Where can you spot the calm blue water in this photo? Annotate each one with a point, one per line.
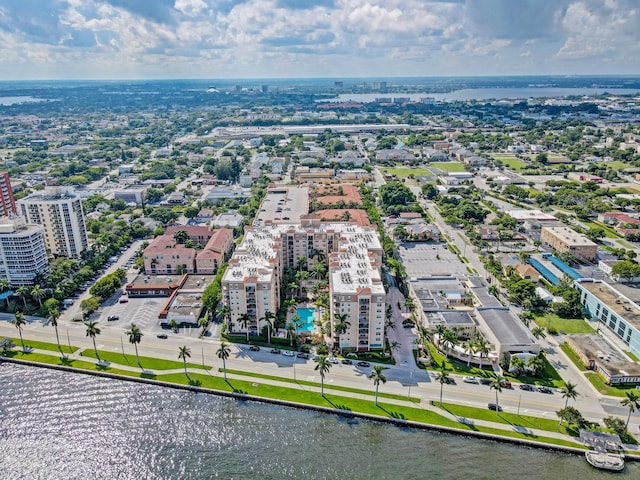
(307, 315)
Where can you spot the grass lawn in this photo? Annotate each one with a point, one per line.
(44, 345)
(448, 166)
(549, 377)
(401, 172)
(569, 325)
(510, 161)
(573, 357)
(145, 362)
(526, 421)
(608, 231)
(458, 367)
(332, 387)
(605, 389)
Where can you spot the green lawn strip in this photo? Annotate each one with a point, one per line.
(573, 357)
(281, 343)
(549, 377)
(605, 389)
(568, 325)
(448, 166)
(51, 360)
(609, 232)
(327, 386)
(44, 345)
(146, 362)
(525, 421)
(458, 367)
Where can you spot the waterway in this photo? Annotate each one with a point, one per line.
(6, 101)
(485, 94)
(60, 425)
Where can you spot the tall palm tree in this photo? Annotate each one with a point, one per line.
(135, 336)
(244, 320)
(450, 340)
(302, 261)
(633, 402)
(340, 327)
(377, 376)
(4, 285)
(23, 292)
(223, 353)
(538, 332)
(394, 346)
(38, 293)
(569, 392)
(323, 366)
(443, 377)
(318, 269)
(19, 321)
(469, 347)
(291, 329)
(440, 329)
(184, 353)
(482, 347)
(496, 384)
(93, 331)
(268, 319)
(302, 276)
(52, 320)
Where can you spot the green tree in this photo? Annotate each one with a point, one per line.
(340, 327)
(496, 384)
(571, 415)
(632, 402)
(6, 345)
(482, 347)
(538, 332)
(322, 366)
(223, 353)
(181, 236)
(38, 294)
(4, 286)
(135, 336)
(377, 376)
(469, 347)
(449, 340)
(52, 320)
(184, 352)
(93, 331)
(245, 320)
(516, 366)
(19, 321)
(569, 392)
(268, 320)
(23, 292)
(443, 377)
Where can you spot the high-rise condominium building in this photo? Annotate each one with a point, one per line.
(7, 202)
(62, 218)
(22, 252)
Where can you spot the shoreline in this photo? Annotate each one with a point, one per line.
(302, 406)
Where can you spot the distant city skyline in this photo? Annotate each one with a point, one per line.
(155, 39)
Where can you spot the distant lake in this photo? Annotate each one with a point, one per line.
(6, 101)
(485, 94)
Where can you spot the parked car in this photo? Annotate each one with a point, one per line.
(123, 299)
(346, 361)
(304, 355)
(162, 335)
(545, 390)
(288, 353)
(527, 387)
(112, 318)
(494, 407)
(277, 351)
(469, 379)
(363, 364)
(254, 348)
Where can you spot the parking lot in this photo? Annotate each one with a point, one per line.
(430, 260)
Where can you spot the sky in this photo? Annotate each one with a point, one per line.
(146, 39)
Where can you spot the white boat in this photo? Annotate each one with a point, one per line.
(605, 460)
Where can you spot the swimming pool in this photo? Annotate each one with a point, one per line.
(307, 316)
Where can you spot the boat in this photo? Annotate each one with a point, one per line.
(605, 460)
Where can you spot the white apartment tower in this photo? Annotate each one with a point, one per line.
(22, 252)
(62, 218)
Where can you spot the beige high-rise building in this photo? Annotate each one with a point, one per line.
(60, 214)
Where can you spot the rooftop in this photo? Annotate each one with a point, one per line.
(618, 303)
(505, 327)
(284, 204)
(570, 236)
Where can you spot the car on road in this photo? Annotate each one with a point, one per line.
(363, 364)
(449, 381)
(506, 384)
(332, 360)
(494, 407)
(113, 318)
(304, 355)
(277, 351)
(470, 380)
(254, 348)
(527, 387)
(288, 353)
(485, 380)
(162, 335)
(346, 361)
(545, 390)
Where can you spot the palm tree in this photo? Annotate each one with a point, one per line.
(135, 336)
(482, 347)
(443, 377)
(292, 286)
(302, 261)
(377, 376)
(52, 320)
(538, 332)
(173, 325)
(440, 329)
(496, 384)
(93, 331)
(291, 329)
(184, 353)
(318, 269)
(268, 319)
(19, 321)
(4, 285)
(323, 366)
(450, 340)
(536, 364)
(394, 346)
(223, 353)
(469, 347)
(568, 392)
(302, 277)
(633, 402)
(516, 365)
(23, 292)
(38, 293)
(340, 327)
(244, 320)
(181, 236)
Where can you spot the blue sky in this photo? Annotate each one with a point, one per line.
(137, 39)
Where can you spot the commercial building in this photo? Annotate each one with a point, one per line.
(7, 202)
(563, 239)
(60, 214)
(616, 312)
(22, 252)
(599, 356)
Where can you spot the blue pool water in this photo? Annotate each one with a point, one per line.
(307, 315)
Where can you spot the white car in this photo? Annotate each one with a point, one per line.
(333, 360)
(288, 353)
(469, 379)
